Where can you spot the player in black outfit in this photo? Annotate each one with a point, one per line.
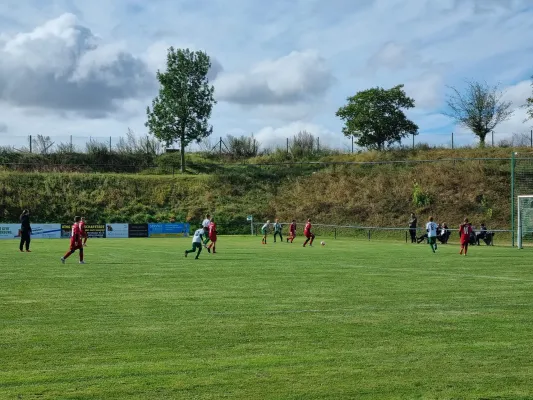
(25, 231)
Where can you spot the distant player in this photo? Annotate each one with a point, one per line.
(431, 229)
(465, 230)
(75, 242)
(277, 230)
(264, 231)
(310, 236)
(83, 232)
(205, 225)
(212, 237)
(197, 241)
(292, 231)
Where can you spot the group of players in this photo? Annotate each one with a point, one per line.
(207, 233)
(267, 227)
(465, 230)
(78, 239)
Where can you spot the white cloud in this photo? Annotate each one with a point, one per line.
(62, 66)
(297, 77)
(277, 137)
(427, 90)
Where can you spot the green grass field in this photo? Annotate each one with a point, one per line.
(351, 320)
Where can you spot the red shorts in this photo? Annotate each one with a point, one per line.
(75, 246)
(213, 238)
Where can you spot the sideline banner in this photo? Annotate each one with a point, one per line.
(95, 231)
(46, 231)
(115, 231)
(138, 230)
(66, 230)
(169, 230)
(9, 231)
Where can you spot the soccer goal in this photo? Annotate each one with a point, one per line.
(525, 221)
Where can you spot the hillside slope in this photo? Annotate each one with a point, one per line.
(371, 195)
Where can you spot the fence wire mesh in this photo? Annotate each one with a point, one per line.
(499, 237)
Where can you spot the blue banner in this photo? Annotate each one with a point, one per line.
(169, 230)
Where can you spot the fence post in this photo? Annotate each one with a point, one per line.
(369, 234)
(220, 146)
(335, 230)
(352, 143)
(287, 145)
(30, 144)
(405, 236)
(452, 140)
(413, 141)
(531, 137)
(512, 197)
(110, 146)
(317, 144)
(71, 147)
(492, 138)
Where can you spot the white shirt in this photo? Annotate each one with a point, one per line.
(206, 223)
(196, 238)
(431, 229)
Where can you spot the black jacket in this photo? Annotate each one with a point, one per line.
(25, 223)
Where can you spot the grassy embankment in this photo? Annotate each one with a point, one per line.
(366, 194)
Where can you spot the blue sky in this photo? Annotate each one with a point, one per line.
(71, 67)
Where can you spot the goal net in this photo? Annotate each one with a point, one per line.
(525, 221)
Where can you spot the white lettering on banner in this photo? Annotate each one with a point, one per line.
(9, 231)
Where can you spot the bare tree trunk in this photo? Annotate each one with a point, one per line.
(182, 145)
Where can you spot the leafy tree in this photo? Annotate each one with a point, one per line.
(480, 108)
(183, 107)
(375, 117)
(529, 105)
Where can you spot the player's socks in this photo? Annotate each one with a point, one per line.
(63, 260)
(82, 262)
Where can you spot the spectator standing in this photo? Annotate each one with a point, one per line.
(412, 227)
(25, 231)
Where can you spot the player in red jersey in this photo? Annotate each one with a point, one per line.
(212, 232)
(465, 230)
(75, 242)
(292, 231)
(308, 234)
(83, 232)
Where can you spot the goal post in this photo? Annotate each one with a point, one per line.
(524, 220)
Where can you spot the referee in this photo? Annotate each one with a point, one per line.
(25, 231)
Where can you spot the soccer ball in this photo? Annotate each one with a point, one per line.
(323, 243)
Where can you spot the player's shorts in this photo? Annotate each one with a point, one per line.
(213, 238)
(263, 231)
(432, 240)
(465, 242)
(75, 246)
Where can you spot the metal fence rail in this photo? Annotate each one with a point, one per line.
(500, 237)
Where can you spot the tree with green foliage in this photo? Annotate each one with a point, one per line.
(183, 107)
(375, 117)
(479, 108)
(529, 104)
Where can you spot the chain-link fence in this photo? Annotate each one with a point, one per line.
(498, 237)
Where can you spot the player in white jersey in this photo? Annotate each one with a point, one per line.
(264, 231)
(205, 225)
(431, 229)
(197, 240)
